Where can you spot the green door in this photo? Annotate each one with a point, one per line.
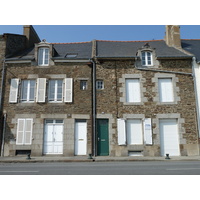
(102, 137)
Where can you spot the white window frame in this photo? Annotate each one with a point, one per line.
(99, 84)
(135, 95)
(21, 137)
(55, 99)
(43, 56)
(28, 90)
(145, 58)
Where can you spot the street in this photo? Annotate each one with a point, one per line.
(103, 168)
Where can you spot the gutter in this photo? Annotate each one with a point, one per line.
(2, 83)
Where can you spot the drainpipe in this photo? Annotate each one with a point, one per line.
(94, 106)
(1, 105)
(3, 136)
(2, 83)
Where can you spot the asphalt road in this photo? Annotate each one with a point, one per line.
(103, 168)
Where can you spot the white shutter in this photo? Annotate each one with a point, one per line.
(41, 90)
(20, 131)
(148, 131)
(28, 131)
(121, 131)
(133, 90)
(166, 90)
(68, 92)
(14, 90)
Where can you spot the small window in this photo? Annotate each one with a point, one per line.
(28, 91)
(147, 58)
(99, 85)
(83, 85)
(71, 55)
(55, 90)
(43, 56)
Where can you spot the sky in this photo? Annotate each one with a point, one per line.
(84, 33)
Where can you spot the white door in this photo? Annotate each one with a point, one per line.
(169, 137)
(134, 131)
(53, 137)
(80, 137)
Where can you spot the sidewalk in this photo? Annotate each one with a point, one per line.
(23, 159)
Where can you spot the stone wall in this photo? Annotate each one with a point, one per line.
(80, 108)
(110, 101)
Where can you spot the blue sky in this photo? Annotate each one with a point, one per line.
(82, 33)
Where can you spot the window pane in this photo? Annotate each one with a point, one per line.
(59, 90)
(51, 90)
(40, 57)
(24, 90)
(99, 85)
(46, 59)
(32, 90)
(83, 85)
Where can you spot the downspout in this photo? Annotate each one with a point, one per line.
(1, 105)
(93, 107)
(3, 136)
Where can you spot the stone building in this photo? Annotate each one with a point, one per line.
(105, 98)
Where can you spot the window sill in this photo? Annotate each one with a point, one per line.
(134, 104)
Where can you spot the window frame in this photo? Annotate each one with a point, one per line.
(101, 84)
(28, 91)
(43, 56)
(145, 58)
(83, 85)
(55, 92)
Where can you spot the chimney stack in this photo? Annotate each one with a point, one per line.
(172, 36)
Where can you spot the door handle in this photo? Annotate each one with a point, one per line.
(98, 139)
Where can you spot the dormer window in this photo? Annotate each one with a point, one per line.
(43, 56)
(147, 58)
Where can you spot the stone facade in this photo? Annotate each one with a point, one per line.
(111, 101)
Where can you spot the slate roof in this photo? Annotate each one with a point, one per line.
(110, 49)
(192, 46)
(130, 48)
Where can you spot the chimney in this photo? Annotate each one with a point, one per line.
(172, 36)
(31, 36)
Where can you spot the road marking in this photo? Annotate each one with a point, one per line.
(184, 169)
(20, 171)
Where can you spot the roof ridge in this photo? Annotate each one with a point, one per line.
(69, 42)
(190, 39)
(129, 41)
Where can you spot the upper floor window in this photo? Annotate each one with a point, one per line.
(166, 92)
(133, 94)
(43, 56)
(147, 58)
(83, 85)
(28, 91)
(55, 90)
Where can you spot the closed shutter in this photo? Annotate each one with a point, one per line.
(166, 90)
(28, 131)
(121, 131)
(68, 92)
(14, 90)
(41, 90)
(133, 90)
(20, 131)
(148, 131)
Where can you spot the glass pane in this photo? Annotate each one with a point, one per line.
(51, 90)
(32, 90)
(46, 59)
(40, 57)
(59, 90)
(24, 90)
(83, 85)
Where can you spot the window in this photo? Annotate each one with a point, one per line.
(24, 132)
(43, 56)
(133, 94)
(166, 93)
(83, 85)
(28, 91)
(147, 58)
(55, 90)
(99, 85)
